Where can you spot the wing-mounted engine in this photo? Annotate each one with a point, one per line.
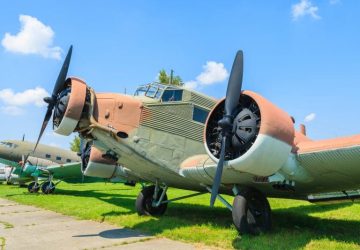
(95, 164)
(261, 139)
(69, 106)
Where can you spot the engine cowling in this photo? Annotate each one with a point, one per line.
(94, 164)
(69, 106)
(262, 136)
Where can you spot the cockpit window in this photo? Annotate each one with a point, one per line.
(172, 95)
(141, 91)
(153, 90)
(8, 144)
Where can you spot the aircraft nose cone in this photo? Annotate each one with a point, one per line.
(8, 154)
(3, 152)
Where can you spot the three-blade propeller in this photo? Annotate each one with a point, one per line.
(59, 86)
(226, 123)
(24, 160)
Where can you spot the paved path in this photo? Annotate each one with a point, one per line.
(27, 227)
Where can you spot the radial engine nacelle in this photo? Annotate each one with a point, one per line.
(95, 164)
(262, 136)
(69, 106)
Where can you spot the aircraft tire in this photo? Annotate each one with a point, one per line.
(33, 187)
(144, 201)
(47, 187)
(251, 212)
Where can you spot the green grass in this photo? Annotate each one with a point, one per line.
(2, 243)
(7, 225)
(297, 224)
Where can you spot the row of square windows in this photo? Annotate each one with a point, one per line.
(58, 158)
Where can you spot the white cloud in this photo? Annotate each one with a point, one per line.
(11, 110)
(310, 117)
(30, 96)
(14, 101)
(191, 84)
(332, 2)
(213, 72)
(34, 37)
(303, 8)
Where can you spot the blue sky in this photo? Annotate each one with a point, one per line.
(302, 55)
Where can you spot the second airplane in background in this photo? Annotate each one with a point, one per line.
(44, 165)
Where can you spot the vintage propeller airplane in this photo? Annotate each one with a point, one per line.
(242, 145)
(40, 168)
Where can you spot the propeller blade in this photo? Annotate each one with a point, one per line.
(219, 169)
(235, 83)
(233, 93)
(8, 178)
(44, 124)
(59, 85)
(24, 160)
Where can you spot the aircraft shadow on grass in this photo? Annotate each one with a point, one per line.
(295, 224)
(295, 221)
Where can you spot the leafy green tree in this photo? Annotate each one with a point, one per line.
(75, 144)
(164, 78)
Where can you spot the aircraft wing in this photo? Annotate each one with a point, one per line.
(330, 166)
(334, 162)
(9, 163)
(62, 171)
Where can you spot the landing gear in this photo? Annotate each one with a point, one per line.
(251, 212)
(33, 187)
(48, 187)
(149, 201)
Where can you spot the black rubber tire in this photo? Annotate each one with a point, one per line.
(46, 189)
(144, 201)
(251, 212)
(33, 187)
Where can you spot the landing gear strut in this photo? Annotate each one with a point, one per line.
(251, 212)
(149, 201)
(33, 187)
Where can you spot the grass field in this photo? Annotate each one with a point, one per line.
(296, 224)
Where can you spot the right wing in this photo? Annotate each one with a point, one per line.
(334, 164)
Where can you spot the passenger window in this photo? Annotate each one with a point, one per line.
(200, 114)
(48, 156)
(58, 158)
(172, 95)
(68, 160)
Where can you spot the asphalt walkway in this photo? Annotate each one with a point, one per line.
(28, 227)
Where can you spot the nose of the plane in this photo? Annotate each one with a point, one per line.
(3, 152)
(8, 154)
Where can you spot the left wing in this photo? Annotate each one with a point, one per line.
(9, 163)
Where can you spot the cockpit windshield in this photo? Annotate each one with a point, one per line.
(7, 144)
(141, 91)
(153, 90)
